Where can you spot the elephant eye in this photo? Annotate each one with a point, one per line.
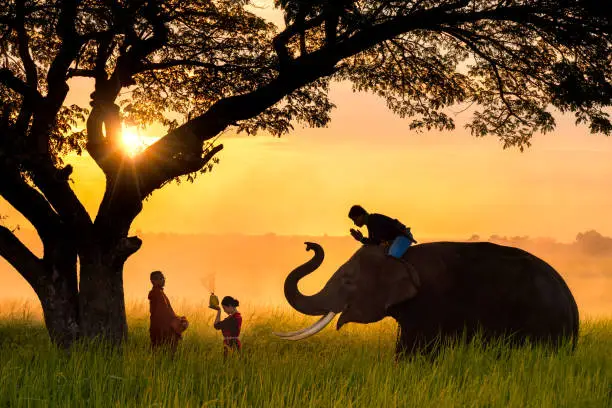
(349, 284)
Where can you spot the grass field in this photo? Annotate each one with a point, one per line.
(350, 368)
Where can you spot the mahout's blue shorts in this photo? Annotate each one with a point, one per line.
(399, 246)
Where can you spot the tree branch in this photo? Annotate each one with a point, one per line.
(88, 73)
(126, 247)
(179, 167)
(156, 159)
(130, 63)
(24, 47)
(281, 40)
(428, 19)
(303, 70)
(122, 199)
(157, 162)
(20, 257)
(71, 43)
(104, 149)
(44, 173)
(61, 196)
(463, 37)
(191, 63)
(29, 202)
(56, 80)
(8, 79)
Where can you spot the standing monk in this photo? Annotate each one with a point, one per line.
(166, 327)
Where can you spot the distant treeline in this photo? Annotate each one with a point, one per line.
(590, 242)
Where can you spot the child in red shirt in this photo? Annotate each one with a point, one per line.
(230, 326)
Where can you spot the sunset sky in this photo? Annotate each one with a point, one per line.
(443, 185)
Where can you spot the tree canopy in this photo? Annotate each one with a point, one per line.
(219, 66)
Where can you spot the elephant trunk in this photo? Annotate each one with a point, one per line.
(314, 305)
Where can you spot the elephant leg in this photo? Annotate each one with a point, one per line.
(410, 343)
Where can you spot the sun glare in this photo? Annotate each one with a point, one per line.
(132, 142)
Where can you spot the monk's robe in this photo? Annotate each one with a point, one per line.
(162, 315)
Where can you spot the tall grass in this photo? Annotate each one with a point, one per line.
(350, 368)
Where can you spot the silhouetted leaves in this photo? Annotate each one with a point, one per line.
(509, 60)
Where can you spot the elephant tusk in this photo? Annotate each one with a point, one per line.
(295, 333)
(309, 331)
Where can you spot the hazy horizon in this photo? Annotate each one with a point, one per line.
(252, 268)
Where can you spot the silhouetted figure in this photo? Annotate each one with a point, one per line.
(381, 230)
(230, 326)
(166, 327)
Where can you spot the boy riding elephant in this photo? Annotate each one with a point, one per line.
(382, 230)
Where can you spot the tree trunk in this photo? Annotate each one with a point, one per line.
(53, 278)
(61, 312)
(101, 301)
(58, 289)
(95, 308)
(101, 296)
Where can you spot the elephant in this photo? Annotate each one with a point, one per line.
(440, 292)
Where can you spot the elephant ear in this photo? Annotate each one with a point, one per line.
(378, 283)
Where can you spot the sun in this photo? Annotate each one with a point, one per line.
(132, 142)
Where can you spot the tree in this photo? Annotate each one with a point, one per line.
(593, 243)
(219, 66)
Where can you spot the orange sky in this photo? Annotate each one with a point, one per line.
(446, 185)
